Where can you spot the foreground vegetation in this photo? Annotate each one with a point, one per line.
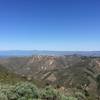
(28, 91)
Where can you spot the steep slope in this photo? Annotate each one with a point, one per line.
(9, 77)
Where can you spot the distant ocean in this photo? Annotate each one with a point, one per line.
(49, 53)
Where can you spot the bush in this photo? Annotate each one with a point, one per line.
(80, 96)
(3, 96)
(26, 90)
(63, 97)
(49, 93)
(21, 91)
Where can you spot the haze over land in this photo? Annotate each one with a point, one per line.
(48, 53)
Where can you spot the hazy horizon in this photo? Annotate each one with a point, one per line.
(51, 50)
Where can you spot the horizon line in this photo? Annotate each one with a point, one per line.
(54, 50)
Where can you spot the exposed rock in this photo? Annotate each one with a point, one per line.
(29, 78)
(51, 78)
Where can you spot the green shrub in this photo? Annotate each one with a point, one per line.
(49, 92)
(26, 90)
(63, 97)
(3, 96)
(80, 96)
(12, 95)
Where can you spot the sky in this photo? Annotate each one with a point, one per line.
(59, 25)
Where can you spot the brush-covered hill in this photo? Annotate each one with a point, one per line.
(73, 73)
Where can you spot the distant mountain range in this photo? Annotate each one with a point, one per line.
(43, 52)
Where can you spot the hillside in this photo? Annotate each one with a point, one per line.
(73, 73)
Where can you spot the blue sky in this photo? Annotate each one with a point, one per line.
(67, 25)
